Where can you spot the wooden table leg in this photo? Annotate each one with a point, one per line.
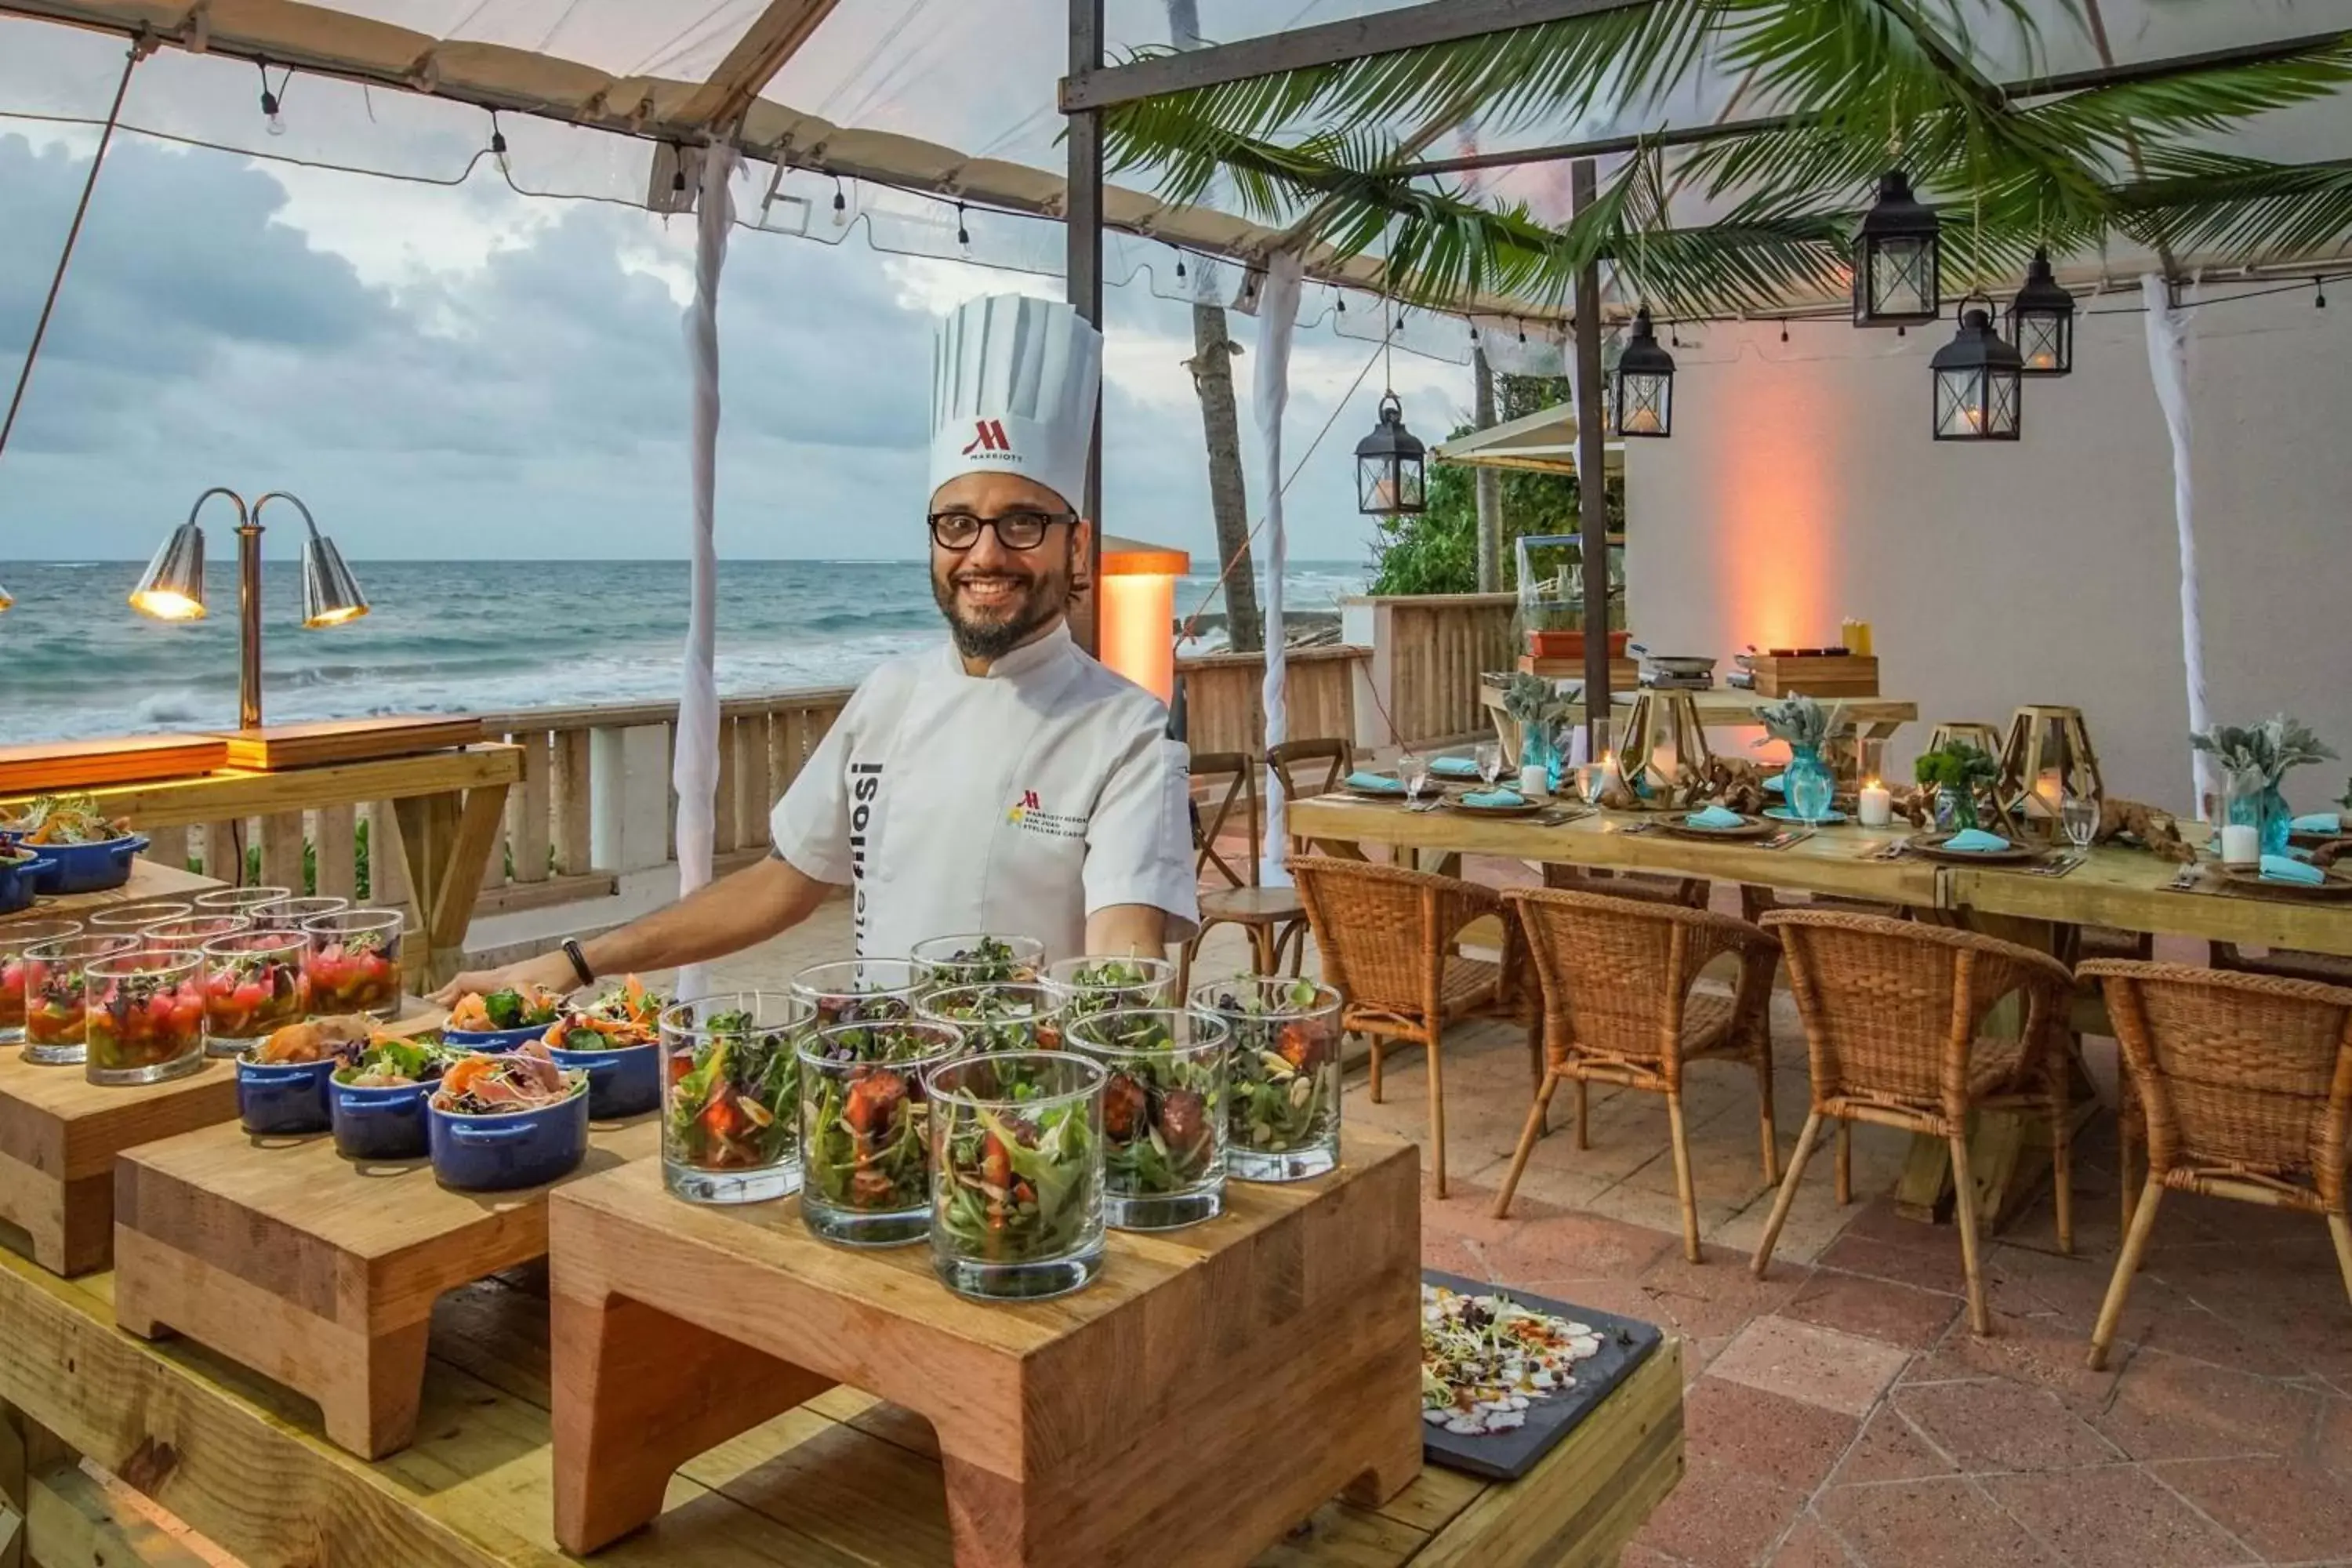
(446, 840)
(637, 1393)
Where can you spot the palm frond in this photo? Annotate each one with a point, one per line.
(2201, 203)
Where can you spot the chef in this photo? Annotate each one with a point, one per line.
(1007, 783)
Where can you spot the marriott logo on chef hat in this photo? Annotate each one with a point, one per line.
(991, 441)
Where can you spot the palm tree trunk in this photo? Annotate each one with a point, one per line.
(1213, 377)
(1490, 483)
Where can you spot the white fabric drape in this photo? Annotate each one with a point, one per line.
(2168, 364)
(1277, 313)
(695, 773)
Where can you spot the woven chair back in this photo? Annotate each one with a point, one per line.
(1617, 971)
(2249, 1070)
(1382, 929)
(1892, 1008)
(1232, 778)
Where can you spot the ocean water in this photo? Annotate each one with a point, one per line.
(469, 636)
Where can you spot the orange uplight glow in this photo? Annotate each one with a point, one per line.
(1772, 550)
(1136, 612)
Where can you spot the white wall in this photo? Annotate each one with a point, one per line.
(1801, 486)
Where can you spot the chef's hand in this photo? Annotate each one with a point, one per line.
(551, 970)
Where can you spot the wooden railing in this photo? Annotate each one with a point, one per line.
(1429, 651)
(1224, 697)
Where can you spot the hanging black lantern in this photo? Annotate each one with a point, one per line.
(1387, 466)
(1896, 281)
(1979, 384)
(2042, 321)
(1645, 383)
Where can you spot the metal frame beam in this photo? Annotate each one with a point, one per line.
(1328, 43)
(1082, 227)
(775, 38)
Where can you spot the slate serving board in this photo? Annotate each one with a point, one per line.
(1625, 1344)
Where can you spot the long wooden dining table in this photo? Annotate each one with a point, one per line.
(2113, 886)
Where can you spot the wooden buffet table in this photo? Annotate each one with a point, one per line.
(1722, 707)
(450, 805)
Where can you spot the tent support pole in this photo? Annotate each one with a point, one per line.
(1083, 224)
(1591, 480)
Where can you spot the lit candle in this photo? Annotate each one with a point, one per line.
(2048, 791)
(2242, 843)
(1535, 781)
(1877, 804)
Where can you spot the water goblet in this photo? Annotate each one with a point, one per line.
(1413, 769)
(2079, 815)
(1490, 762)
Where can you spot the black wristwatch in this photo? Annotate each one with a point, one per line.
(579, 962)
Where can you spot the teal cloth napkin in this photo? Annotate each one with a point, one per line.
(1455, 767)
(1380, 784)
(2319, 822)
(1494, 797)
(1974, 841)
(2282, 869)
(1778, 783)
(1715, 817)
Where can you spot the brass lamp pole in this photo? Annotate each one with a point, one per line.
(173, 587)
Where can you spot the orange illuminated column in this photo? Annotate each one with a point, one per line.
(1137, 617)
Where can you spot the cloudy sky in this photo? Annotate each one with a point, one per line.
(469, 373)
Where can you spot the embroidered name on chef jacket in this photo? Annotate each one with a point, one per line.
(1017, 802)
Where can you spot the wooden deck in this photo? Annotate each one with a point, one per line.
(842, 1481)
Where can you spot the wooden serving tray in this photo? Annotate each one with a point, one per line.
(274, 747)
(1814, 675)
(47, 767)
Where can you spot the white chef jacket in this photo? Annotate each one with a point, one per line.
(1017, 802)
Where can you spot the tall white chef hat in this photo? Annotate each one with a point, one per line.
(1013, 383)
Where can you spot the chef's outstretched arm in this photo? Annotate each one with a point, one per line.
(739, 911)
(1128, 929)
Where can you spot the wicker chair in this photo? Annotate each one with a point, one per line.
(1685, 893)
(2244, 1083)
(1274, 918)
(2282, 963)
(1618, 1007)
(1387, 938)
(1894, 1011)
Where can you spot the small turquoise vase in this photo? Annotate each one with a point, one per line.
(1808, 784)
(2267, 810)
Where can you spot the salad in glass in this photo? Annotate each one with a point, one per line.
(353, 964)
(16, 941)
(1163, 1113)
(144, 1020)
(864, 1128)
(1018, 1017)
(1282, 1075)
(253, 984)
(729, 1129)
(1099, 984)
(977, 959)
(54, 983)
(1016, 1174)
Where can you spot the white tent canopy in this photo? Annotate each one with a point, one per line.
(1543, 442)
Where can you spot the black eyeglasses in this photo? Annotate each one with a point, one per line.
(960, 531)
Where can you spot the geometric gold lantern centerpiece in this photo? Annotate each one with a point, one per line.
(1663, 737)
(2047, 759)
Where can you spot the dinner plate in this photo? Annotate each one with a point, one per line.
(1524, 809)
(1431, 791)
(1783, 814)
(1748, 827)
(2316, 840)
(1931, 845)
(2250, 879)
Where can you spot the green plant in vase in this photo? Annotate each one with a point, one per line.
(1955, 771)
(2255, 759)
(1536, 706)
(1804, 726)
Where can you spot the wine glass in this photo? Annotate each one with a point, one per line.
(1490, 762)
(2079, 815)
(1414, 770)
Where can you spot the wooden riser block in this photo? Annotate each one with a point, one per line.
(58, 1136)
(315, 1270)
(1816, 675)
(66, 766)
(1211, 1388)
(276, 746)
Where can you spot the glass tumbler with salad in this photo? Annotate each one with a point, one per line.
(353, 964)
(253, 986)
(1099, 983)
(976, 959)
(145, 1016)
(1017, 1016)
(864, 1128)
(1282, 1075)
(54, 981)
(730, 1131)
(1163, 1113)
(1016, 1174)
(16, 941)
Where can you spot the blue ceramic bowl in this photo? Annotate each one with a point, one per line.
(18, 879)
(89, 868)
(514, 1148)
(285, 1097)
(625, 1083)
(490, 1040)
(380, 1121)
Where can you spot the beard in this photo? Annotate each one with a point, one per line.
(993, 630)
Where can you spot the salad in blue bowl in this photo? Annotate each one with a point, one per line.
(614, 1037)
(509, 1120)
(87, 851)
(20, 871)
(503, 1019)
(376, 1097)
(282, 1082)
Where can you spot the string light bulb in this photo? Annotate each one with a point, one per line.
(963, 235)
(2319, 293)
(1180, 267)
(272, 122)
(498, 148)
(840, 204)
